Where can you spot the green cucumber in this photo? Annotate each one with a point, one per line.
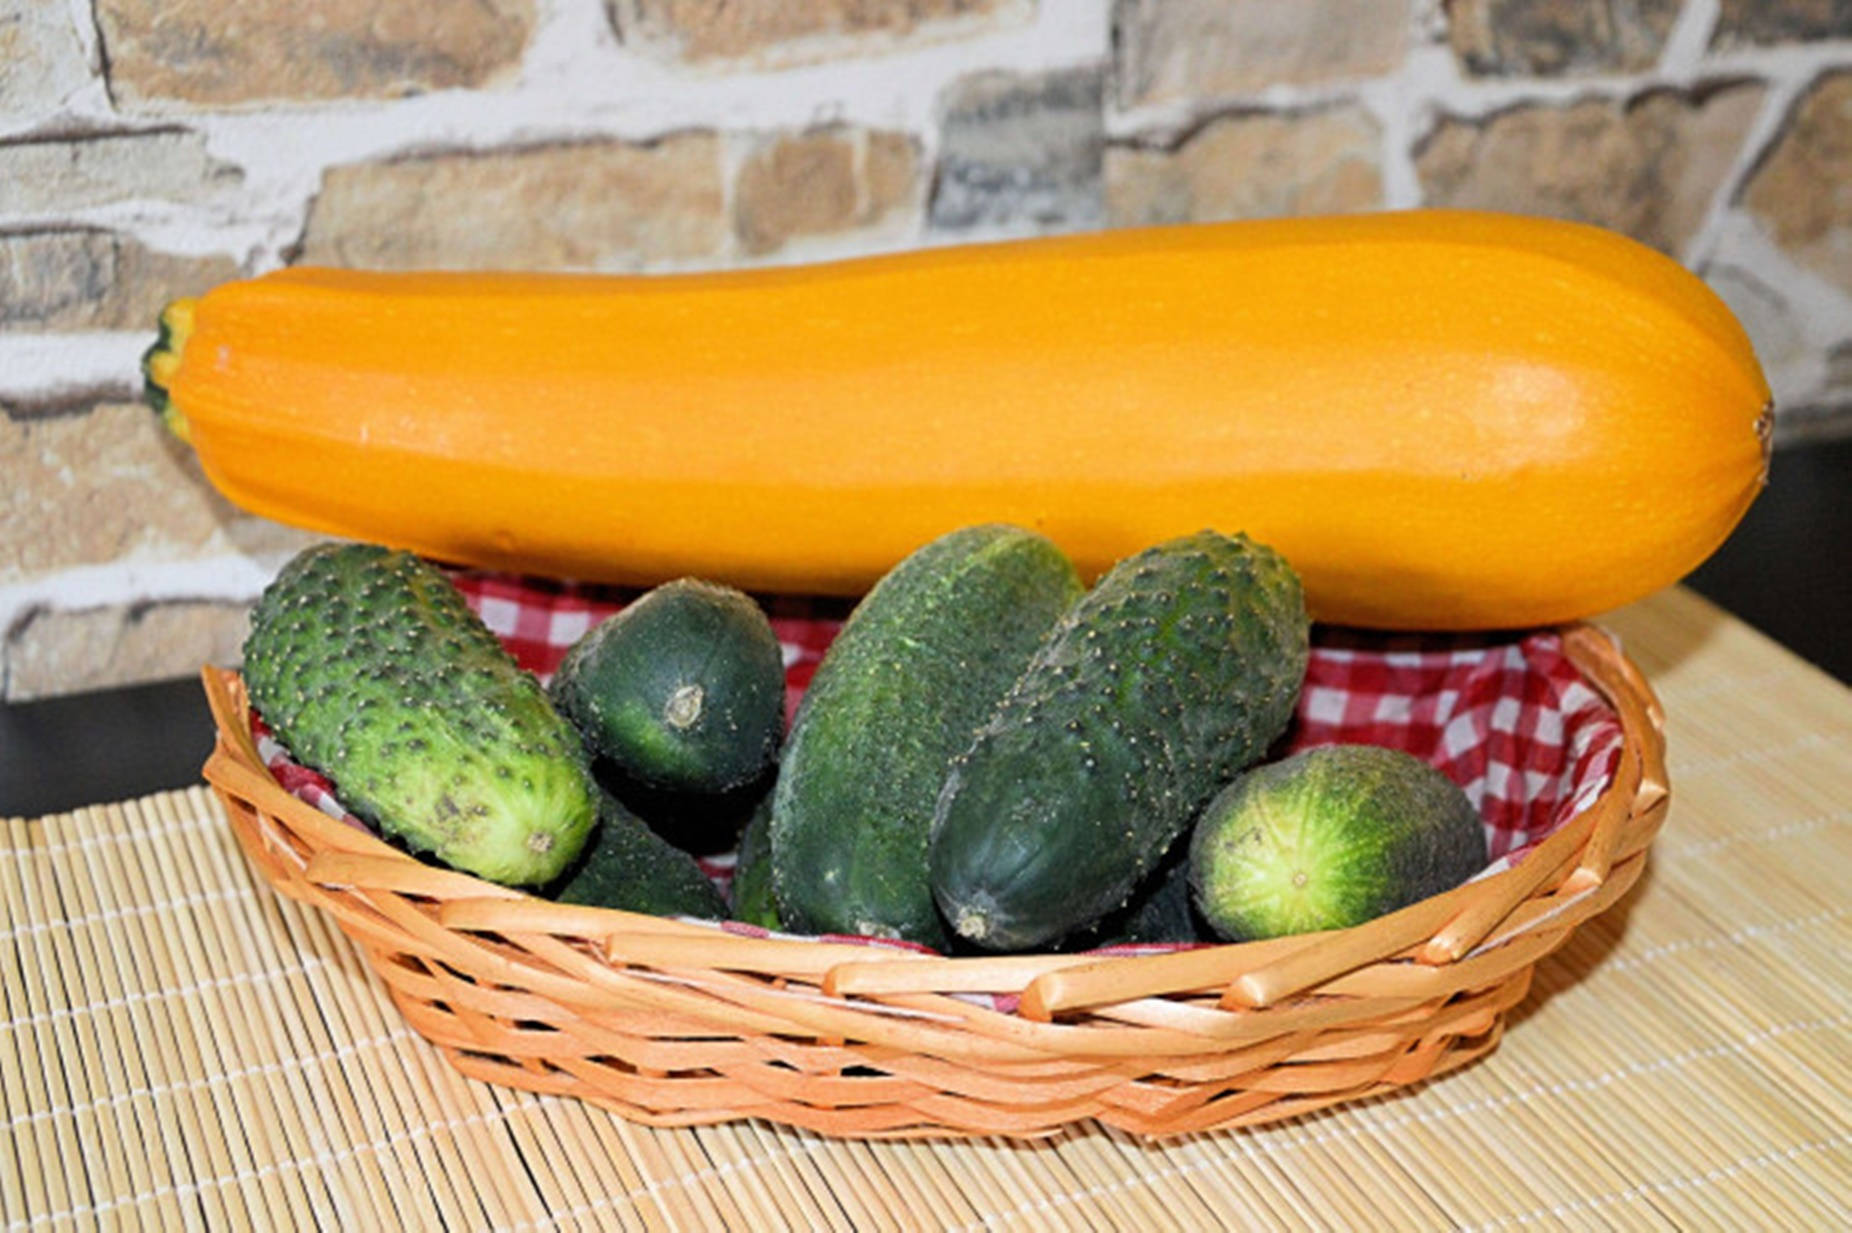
(752, 875)
(370, 668)
(1175, 672)
(915, 670)
(1159, 910)
(628, 866)
(1329, 838)
(683, 689)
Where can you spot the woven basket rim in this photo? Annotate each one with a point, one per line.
(1449, 950)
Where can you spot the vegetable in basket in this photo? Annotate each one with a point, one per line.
(628, 866)
(1175, 672)
(370, 667)
(683, 689)
(916, 668)
(1329, 838)
(752, 875)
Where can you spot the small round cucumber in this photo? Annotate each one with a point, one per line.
(684, 689)
(1330, 838)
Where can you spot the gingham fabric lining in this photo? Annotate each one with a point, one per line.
(1507, 718)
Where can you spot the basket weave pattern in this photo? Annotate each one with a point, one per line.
(671, 1023)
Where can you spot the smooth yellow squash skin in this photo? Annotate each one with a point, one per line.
(1443, 420)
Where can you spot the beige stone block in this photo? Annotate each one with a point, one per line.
(84, 279)
(54, 176)
(1648, 167)
(603, 205)
(1760, 22)
(42, 58)
(822, 182)
(1250, 165)
(775, 32)
(1170, 50)
(112, 485)
(796, 186)
(891, 172)
(1802, 191)
(214, 54)
(53, 652)
(1518, 38)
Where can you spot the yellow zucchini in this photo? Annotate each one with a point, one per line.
(1441, 419)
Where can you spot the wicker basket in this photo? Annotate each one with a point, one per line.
(671, 1023)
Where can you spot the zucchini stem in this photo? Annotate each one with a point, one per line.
(162, 360)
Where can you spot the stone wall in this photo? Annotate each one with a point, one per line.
(151, 149)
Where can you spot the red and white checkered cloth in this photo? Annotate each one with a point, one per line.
(1507, 718)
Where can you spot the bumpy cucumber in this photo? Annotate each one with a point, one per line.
(1175, 672)
(917, 667)
(682, 689)
(370, 668)
(627, 865)
(1330, 838)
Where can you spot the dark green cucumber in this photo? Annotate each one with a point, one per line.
(628, 866)
(1329, 838)
(699, 823)
(1175, 672)
(1160, 909)
(682, 689)
(752, 875)
(916, 668)
(370, 668)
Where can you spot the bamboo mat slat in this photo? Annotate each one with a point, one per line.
(180, 1047)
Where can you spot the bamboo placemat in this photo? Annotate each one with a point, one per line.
(179, 1046)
